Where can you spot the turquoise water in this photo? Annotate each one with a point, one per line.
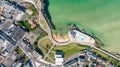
(101, 17)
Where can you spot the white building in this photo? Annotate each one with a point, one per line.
(58, 58)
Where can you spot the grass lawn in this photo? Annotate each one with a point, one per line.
(45, 45)
(100, 17)
(69, 49)
(110, 59)
(43, 23)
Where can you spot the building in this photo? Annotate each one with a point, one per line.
(82, 58)
(91, 55)
(11, 11)
(16, 64)
(19, 65)
(29, 64)
(9, 48)
(2, 40)
(111, 65)
(6, 26)
(4, 45)
(59, 57)
(2, 65)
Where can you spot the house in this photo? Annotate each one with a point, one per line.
(59, 57)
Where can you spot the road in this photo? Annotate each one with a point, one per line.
(24, 50)
(7, 37)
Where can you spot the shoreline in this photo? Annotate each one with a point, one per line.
(52, 31)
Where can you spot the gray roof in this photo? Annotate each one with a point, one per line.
(18, 33)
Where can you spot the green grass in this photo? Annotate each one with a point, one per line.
(45, 45)
(42, 22)
(108, 58)
(34, 10)
(69, 50)
(98, 17)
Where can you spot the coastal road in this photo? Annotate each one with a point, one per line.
(106, 53)
(49, 31)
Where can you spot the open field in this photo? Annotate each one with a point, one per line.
(100, 17)
(68, 50)
(45, 45)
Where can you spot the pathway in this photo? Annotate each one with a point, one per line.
(49, 51)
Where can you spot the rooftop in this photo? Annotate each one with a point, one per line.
(11, 10)
(58, 57)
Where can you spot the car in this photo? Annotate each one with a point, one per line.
(26, 41)
(25, 29)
